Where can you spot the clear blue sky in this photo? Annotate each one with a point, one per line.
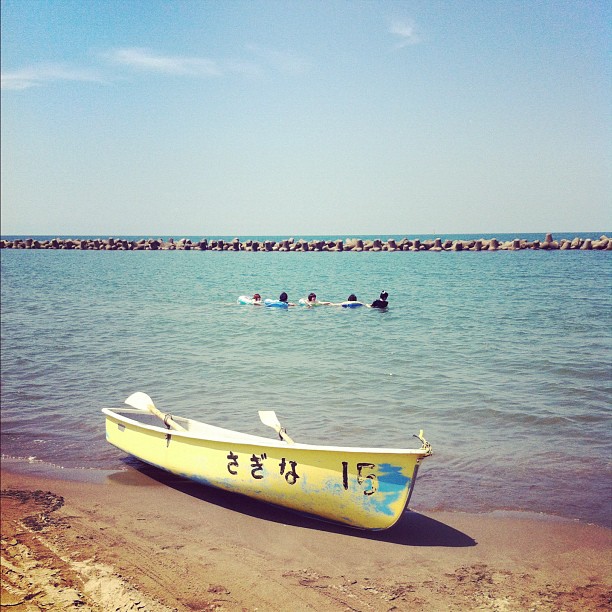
(165, 118)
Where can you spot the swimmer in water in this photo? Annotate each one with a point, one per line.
(381, 302)
(312, 301)
(284, 298)
(351, 302)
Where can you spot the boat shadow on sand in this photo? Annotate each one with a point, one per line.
(413, 528)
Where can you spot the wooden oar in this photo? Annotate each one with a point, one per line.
(142, 401)
(269, 418)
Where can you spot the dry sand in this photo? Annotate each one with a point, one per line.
(143, 540)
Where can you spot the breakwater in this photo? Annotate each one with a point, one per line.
(291, 244)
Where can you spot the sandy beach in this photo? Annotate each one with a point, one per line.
(143, 540)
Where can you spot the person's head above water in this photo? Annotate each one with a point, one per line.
(257, 297)
(312, 297)
(352, 298)
(381, 302)
(283, 297)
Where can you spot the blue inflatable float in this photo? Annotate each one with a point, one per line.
(275, 304)
(245, 299)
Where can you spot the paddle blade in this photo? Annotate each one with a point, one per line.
(269, 418)
(143, 402)
(140, 400)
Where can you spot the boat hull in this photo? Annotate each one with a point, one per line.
(362, 488)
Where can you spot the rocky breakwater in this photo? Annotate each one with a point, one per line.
(548, 243)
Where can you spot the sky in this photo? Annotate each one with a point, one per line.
(327, 117)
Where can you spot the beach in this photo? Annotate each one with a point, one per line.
(145, 540)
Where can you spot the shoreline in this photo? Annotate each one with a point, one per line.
(548, 243)
(37, 468)
(147, 540)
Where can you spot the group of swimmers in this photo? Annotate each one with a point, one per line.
(312, 300)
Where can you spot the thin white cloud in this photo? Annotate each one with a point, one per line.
(35, 76)
(408, 33)
(144, 59)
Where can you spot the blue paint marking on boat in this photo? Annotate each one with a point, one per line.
(391, 485)
(227, 484)
(392, 474)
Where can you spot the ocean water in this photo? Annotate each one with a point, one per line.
(504, 359)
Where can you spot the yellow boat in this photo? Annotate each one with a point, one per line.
(366, 488)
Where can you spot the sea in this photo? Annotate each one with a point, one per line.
(503, 358)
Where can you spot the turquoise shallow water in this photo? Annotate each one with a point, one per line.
(502, 358)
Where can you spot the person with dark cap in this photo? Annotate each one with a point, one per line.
(284, 298)
(381, 302)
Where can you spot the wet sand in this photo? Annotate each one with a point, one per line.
(144, 540)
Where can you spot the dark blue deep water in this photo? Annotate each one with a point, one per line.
(503, 358)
